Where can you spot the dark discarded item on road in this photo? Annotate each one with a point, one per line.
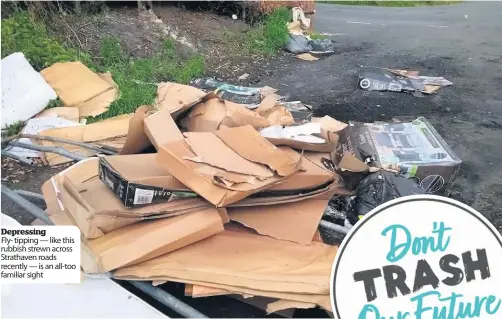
(380, 79)
(412, 149)
(378, 188)
(237, 94)
(321, 45)
(298, 44)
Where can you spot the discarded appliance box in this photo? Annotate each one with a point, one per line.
(138, 180)
(413, 149)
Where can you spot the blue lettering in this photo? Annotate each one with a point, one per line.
(420, 306)
(492, 299)
(397, 251)
(371, 309)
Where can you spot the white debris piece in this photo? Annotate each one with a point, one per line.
(24, 90)
(35, 126)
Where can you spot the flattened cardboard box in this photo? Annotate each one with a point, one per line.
(151, 238)
(138, 180)
(414, 149)
(228, 165)
(95, 208)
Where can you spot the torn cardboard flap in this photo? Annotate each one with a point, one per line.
(110, 132)
(77, 86)
(161, 129)
(307, 57)
(209, 115)
(295, 222)
(177, 98)
(289, 273)
(266, 104)
(279, 115)
(259, 150)
(204, 144)
(137, 141)
(188, 161)
(330, 124)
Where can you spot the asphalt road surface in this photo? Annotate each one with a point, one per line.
(461, 42)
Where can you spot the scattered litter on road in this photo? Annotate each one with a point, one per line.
(307, 57)
(244, 76)
(298, 44)
(378, 188)
(24, 90)
(381, 79)
(238, 94)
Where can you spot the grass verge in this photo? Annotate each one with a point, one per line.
(378, 3)
(136, 78)
(266, 39)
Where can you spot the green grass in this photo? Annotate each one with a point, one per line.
(136, 78)
(266, 39)
(403, 3)
(317, 36)
(21, 33)
(14, 128)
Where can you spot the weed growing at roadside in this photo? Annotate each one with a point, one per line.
(21, 33)
(14, 128)
(267, 38)
(137, 78)
(317, 36)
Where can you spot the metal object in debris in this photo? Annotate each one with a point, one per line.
(30, 207)
(167, 299)
(337, 228)
(57, 150)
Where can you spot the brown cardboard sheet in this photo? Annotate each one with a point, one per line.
(77, 86)
(224, 186)
(210, 115)
(295, 222)
(322, 300)
(307, 57)
(264, 264)
(110, 132)
(279, 115)
(137, 140)
(177, 98)
(287, 304)
(95, 208)
(139, 242)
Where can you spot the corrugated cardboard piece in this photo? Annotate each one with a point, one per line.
(227, 165)
(95, 208)
(210, 115)
(139, 242)
(295, 222)
(110, 132)
(177, 98)
(77, 86)
(264, 264)
(136, 140)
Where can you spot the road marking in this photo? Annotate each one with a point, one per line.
(358, 22)
(437, 26)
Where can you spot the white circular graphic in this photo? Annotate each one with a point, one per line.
(419, 257)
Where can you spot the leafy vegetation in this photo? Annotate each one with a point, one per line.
(14, 129)
(136, 78)
(267, 38)
(383, 3)
(21, 33)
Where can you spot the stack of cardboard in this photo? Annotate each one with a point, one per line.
(221, 208)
